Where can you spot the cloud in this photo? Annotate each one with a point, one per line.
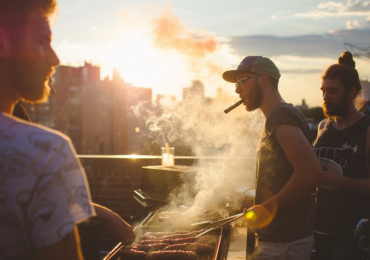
(325, 45)
(325, 9)
(353, 25)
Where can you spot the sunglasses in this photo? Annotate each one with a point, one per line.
(240, 82)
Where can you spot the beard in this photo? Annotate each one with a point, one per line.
(254, 98)
(339, 110)
(28, 80)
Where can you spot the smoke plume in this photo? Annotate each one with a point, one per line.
(170, 33)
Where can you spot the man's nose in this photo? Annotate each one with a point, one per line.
(237, 91)
(53, 58)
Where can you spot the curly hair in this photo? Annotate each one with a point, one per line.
(344, 71)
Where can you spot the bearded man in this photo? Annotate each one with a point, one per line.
(43, 188)
(287, 170)
(344, 137)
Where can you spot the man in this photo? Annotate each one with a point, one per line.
(344, 137)
(115, 224)
(286, 170)
(43, 188)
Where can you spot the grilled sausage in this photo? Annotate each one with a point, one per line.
(132, 254)
(170, 241)
(150, 247)
(176, 236)
(162, 234)
(146, 237)
(209, 240)
(173, 255)
(200, 249)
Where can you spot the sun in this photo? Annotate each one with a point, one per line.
(143, 65)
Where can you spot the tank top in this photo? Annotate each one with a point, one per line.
(340, 211)
(273, 171)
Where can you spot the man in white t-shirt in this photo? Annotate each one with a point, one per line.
(43, 188)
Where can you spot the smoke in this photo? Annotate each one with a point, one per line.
(196, 46)
(170, 33)
(198, 126)
(202, 126)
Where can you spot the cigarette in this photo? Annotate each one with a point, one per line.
(234, 106)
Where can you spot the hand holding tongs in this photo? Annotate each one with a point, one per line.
(223, 222)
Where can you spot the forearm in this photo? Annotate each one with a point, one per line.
(115, 224)
(103, 213)
(361, 186)
(297, 188)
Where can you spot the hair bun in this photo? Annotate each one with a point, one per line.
(347, 59)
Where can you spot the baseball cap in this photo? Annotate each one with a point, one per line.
(256, 64)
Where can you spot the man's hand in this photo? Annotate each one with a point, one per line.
(115, 224)
(259, 216)
(332, 179)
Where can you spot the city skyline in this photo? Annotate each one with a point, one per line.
(303, 38)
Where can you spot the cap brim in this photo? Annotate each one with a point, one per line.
(230, 75)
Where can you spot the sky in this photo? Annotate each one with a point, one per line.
(165, 45)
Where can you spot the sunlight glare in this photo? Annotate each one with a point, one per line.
(142, 65)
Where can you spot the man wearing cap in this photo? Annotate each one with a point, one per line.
(286, 167)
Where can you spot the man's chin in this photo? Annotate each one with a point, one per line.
(36, 97)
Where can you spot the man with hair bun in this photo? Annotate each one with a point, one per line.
(43, 188)
(343, 137)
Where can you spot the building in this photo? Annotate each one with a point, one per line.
(96, 114)
(196, 90)
(303, 107)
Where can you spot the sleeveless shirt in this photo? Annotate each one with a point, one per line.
(340, 211)
(273, 171)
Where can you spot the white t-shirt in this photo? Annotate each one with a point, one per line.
(43, 188)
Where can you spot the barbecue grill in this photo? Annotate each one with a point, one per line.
(158, 182)
(222, 234)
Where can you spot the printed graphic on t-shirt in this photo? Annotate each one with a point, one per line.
(339, 155)
(43, 191)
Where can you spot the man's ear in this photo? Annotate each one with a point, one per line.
(4, 43)
(352, 93)
(264, 79)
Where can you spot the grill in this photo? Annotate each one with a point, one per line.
(158, 184)
(222, 235)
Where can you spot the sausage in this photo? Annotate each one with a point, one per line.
(176, 236)
(170, 241)
(200, 249)
(162, 234)
(209, 240)
(189, 234)
(173, 255)
(150, 247)
(146, 237)
(132, 254)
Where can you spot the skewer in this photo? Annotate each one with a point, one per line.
(234, 106)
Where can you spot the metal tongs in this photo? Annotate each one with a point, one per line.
(222, 222)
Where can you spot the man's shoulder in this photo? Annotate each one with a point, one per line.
(285, 113)
(284, 108)
(11, 124)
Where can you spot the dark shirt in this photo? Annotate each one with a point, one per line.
(340, 211)
(20, 112)
(273, 171)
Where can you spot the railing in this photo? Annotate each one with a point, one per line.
(113, 178)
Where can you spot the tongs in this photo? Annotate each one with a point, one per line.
(223, 222)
